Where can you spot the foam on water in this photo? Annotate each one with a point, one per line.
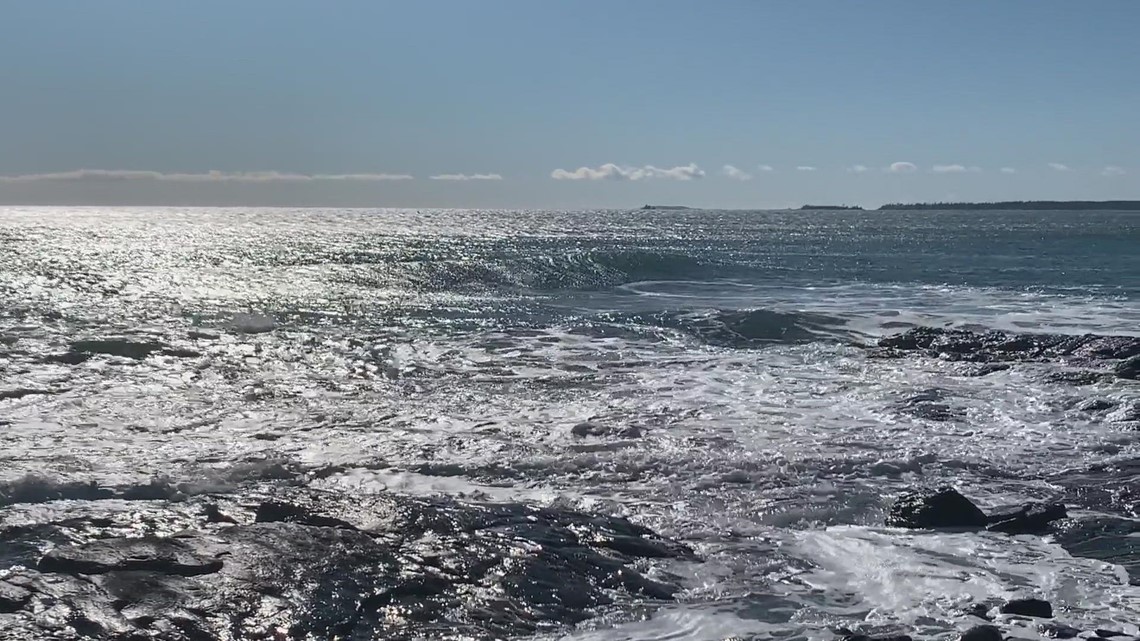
(715, 359)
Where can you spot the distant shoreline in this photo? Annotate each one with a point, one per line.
(1024, 205)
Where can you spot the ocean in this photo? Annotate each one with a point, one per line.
(346, 423)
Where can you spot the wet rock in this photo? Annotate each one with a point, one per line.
(980, 610)
(180, 352)
(278, 512)
(202, 335)
(1036, 608)
(164, 556)
(1033, 518)
(324, 565)
(1077, 377)
(999, 347)
(12, 597)
(588, 428)
(126, 348)
(1055, 630)
(21, 392)
(935, 509)
(214, 514)
(983, 369)
(866, 637)
(1108, 634)
(67, 358)
(1129, 369)
(1109, 539)
(982, 633)
(1096, 405)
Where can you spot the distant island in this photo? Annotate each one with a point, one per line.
(665, 207)
(832, 207)
(1026, 205)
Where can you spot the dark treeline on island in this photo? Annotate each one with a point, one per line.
(1030, 205)
(832, 207)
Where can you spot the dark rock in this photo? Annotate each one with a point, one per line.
(1055, 630)
(1129, 369)
(1096, 405)
(137, 350)
(1037, 608)
(12, 597)
(1108, 634)
(447, 569)
(161, 555)
(979, 610)
(935, 509)
(1033, 518)
(982, 633)
(1077, 377)
(21, 392)
(201, 335)
(867, 637)
(214, 515)
(983, 369)
(67, 358)
(179, 352)
(996, 347)
(588, 428)
(277, 512)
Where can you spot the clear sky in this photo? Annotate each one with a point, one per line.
(571, 103)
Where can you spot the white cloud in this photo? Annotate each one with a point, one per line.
(207, 177)
(805, 168)
(735, 173)
(466, 177)
(858, 169)
(954, 169)
(1113, 170)
(1056, 166)
(1008, 170)
(902, 168)
(764, 167)
(610, 171)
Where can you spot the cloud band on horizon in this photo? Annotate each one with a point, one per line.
(206, 177)
(611, 171)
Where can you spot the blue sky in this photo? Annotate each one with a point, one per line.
(635, 101)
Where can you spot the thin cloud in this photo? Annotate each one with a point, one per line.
(858, 169)
(902, 168)
(207, 177)
(1056, 166)
(463, 177)
(1008, 170)
(764, 167)
(1113, 170)
(735, 173)
(805, 168)
(610, 171)
(954, 169)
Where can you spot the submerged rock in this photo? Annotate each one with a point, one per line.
(936, 509)
(1032, 518)
(1037, 608)
(161, 555)
(1129, 369)
(983, 633)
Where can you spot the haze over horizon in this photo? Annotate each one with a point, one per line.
(508, 104)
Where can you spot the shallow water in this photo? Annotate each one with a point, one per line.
(717, 356)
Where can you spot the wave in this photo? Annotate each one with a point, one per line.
(539, 269)
(738, 328)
